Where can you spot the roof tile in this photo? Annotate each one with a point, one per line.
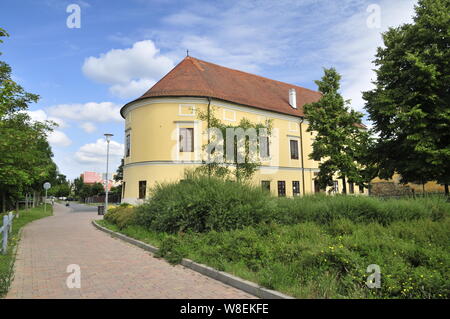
(197, 78)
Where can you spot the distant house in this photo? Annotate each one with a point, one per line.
(94, 177)
(164, 135)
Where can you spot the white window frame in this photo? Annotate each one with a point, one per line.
(180, 109)
(127, 133)
(225, 115)
(192, 139)
(336, 187)
(294, 138)
(196, 155)
(295, 124)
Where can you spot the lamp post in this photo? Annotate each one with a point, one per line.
(108, 139)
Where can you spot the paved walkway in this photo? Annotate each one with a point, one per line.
(110, 268)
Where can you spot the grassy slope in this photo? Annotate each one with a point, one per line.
(315, 260)
(7, 261)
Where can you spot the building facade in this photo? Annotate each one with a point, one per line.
(164, 134)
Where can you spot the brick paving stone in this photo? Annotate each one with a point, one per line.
(110, 268)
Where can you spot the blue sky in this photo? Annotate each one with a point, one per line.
(84, 75)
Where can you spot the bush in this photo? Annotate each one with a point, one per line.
(202, 204)
(122, 216)
(308, 260)
(325, 209)
(310, 247)
(170, 250)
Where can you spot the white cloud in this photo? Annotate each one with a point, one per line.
(353, 46)
(92, 112)
(133, 88)
(41, 116)
(245, 35)
(96, 152)
(88, 127)
(293, 39)
(58, 138)
(127, 70)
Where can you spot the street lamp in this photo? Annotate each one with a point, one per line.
(108, 139)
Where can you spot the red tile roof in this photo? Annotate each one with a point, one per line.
(197, 78)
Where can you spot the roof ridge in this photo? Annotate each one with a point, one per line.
(200, 71)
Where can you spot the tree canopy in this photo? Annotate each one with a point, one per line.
(410, 104)
(340, 138)
(26, 161)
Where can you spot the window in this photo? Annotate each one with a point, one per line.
(264, 147)
(186, 139)
(295, 188)
(316, 186)
(361, 189)
(336, 186)
(265, 185)
(127, 148)
(281, 188)
(351, 187)
(294, 149)
(123, 189)
(142, 189)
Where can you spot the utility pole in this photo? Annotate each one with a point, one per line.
(108, 139)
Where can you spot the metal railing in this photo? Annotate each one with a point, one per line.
(5, 230)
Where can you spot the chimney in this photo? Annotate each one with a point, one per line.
(293, 98)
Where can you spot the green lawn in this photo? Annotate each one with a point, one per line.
(7, 261)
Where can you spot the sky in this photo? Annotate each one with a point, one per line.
(85, 74)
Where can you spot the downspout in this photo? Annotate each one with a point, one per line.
(209, 137)
(301, 154)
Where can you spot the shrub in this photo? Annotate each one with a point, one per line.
(122, 216)
(327, 259)
(324, 209)
(203, 204)
(170, 250)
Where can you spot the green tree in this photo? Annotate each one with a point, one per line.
(117, 190)
(341, 139)
(410, 104)
(60, 186)
(243, 169)
(78, 184)
(26, 158)
(97, 189)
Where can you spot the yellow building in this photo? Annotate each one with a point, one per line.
(164, 134)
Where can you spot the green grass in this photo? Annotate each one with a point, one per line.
(7, 261)
(320, 246)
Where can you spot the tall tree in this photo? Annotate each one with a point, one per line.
(26, 158)
(410, 104)
(340, 137)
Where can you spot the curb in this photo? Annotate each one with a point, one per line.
(236, 282)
